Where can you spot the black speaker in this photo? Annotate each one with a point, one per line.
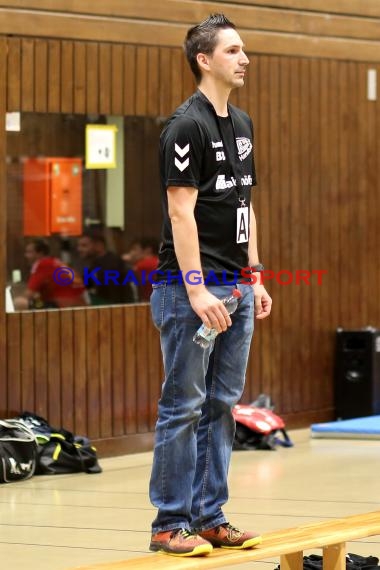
(357, 373)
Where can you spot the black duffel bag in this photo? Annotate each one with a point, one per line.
(18, 451)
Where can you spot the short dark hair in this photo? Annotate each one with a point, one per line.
(147, 242)
(151, 243)
(40, 246)
(202, 38)
(94, 236)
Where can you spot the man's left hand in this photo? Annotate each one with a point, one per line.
(263, 302)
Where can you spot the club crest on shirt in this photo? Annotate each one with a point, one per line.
(182, 152)
(244, 146)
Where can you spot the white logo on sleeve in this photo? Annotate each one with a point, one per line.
(244, 147)
(182, 152)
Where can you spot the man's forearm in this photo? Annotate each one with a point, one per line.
(186, 245)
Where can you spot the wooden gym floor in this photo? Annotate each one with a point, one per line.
(60, 522)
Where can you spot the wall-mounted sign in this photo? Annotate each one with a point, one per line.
(13, 121)
(101, 146)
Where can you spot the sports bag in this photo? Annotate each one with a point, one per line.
(258, 428)
(353, 562)
(18, 451)
(66, 453)
(59, 450)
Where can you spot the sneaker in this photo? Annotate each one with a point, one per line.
(227, 536)
(180, 542)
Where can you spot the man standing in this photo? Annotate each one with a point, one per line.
(51, 284)
(106, 274)
(143, 257)
(207, 170)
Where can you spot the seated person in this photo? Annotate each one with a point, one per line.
(99, 265)
(143, 256)
(51, 284)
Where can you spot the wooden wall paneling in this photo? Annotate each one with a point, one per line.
(13, 68)
(105, 78)
(283, 292)
(256, 89)
(334, 275)
(316, 239)
(143, 404)
(41, 363)
(181, 11)
(358, 152)
(331, 178)
(28, 401)
(153, 82)
(369, 135)
(129, 80)
(364, 228)
(165, 83)
(105, 372)
(93, 377)
(327, 313)
(258, 83)
(80, 77)
(117, 342)
(274, 191)
(297, 228)
(369, 8)
(80, 411)
(188, 80)
(67, 369)
(12, 406)
(105, 26)
(374, 197)
(67, 77)
(287, 32)
(242, 92)
(27, 74)
(3, 230)
(117, 79)
(306, 293)
(54, 380)
(132, 380)
(141, 80)
(176, 78)
(92, 78)
(352, 132)
(40, 75)
(345, 195)
(54, 76)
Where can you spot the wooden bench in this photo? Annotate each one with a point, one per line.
(288, 544)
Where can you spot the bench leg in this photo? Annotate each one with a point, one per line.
(293, 561)
(334, 557)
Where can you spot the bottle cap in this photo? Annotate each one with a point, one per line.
(236, 293)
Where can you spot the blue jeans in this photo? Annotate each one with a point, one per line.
(195, 428)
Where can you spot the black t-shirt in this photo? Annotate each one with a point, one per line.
(215, 155)
(111, 291)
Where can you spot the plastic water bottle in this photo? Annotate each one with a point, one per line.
(204, 336)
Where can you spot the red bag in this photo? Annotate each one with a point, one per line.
(257, 428)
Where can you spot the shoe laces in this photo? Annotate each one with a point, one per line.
(231, 530)
(184, 532)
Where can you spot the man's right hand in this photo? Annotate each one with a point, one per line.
(210, 309)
